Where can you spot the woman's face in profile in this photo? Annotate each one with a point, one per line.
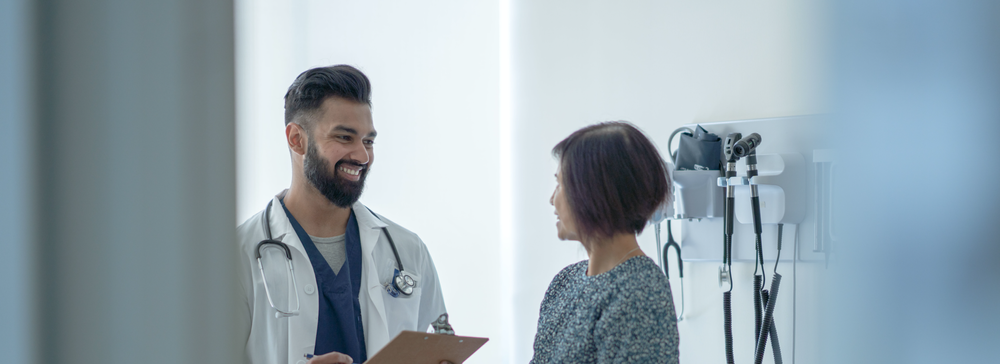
(565, 224)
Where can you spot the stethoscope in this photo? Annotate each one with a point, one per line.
(402, 282)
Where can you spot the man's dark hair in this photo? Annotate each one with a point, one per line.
(312, 87)
(613, 178)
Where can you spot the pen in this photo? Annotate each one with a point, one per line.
(310, 356)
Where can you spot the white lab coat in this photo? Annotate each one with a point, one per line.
(285, 340)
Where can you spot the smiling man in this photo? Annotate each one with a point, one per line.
(325, 278)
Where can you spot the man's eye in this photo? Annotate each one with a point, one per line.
(345, 138)
(369, 142)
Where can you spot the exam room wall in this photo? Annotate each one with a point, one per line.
(434, 72)
(658, 64)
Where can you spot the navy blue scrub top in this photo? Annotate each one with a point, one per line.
(338, 301)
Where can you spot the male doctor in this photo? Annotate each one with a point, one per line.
(341, 252)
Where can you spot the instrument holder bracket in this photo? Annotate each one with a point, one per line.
(737, 181)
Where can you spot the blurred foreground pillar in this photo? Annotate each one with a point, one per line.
(120, 183)
(917, 104)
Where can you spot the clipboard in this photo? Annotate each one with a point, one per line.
(411, 347)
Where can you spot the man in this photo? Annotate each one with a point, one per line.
(352, 293)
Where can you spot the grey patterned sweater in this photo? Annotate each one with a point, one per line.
(625, 315)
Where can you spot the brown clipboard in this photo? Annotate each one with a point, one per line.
(411, 347)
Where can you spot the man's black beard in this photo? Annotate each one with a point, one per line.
(338, 190)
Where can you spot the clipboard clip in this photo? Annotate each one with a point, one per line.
(441, 325)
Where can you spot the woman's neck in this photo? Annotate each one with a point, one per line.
(607, 253)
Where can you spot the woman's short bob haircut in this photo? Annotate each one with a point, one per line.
(613, 178)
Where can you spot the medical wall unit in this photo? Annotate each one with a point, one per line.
(756, 191)
(795, 178)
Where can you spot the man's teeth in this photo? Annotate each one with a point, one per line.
(351, 171)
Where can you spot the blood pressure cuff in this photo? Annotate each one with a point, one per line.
(699, 152)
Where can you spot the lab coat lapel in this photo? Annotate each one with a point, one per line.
(301, 328)
(376, 327)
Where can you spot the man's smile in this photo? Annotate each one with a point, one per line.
(350, 172)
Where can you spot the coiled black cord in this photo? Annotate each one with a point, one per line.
(775, 347)
(727, 309)
(768, 319)
(756, 307)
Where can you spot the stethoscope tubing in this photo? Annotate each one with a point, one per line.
(402, 281)
(288, 263)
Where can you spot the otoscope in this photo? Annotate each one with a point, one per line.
(727, 242)
(746, 147)
(731, 158)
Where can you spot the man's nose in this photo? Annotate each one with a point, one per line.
(360, 154)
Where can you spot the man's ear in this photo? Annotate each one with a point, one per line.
(296, 138)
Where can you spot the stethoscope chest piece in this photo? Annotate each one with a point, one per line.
(403, 282)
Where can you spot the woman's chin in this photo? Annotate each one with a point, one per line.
(564, 236)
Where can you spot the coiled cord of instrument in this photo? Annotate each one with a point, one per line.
(757, 311)
(775, 347)
(727, 309)
(768, 319)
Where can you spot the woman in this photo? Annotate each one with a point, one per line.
(615, 307)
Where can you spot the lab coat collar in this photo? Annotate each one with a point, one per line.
(281, 227)
(370, 229)
(365, 217)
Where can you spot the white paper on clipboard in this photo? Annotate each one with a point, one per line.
(411, 347)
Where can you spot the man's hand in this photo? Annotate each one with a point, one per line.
(331, 358)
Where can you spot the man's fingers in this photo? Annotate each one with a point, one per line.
(331, 358)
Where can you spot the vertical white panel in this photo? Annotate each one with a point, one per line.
(507, 264)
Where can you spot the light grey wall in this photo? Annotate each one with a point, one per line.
(118, 181)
